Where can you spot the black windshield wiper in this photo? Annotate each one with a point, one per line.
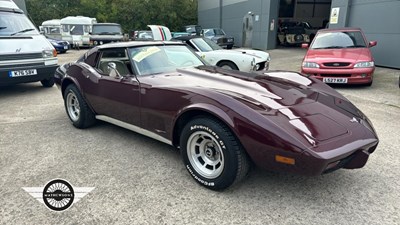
(331, 47)
(1, 28)
(356, 46)
(22, 31)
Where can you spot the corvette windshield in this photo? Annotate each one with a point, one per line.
(339, 39)
(162, 59)
(205, 44)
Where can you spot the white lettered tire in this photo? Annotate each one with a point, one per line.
(212, 154)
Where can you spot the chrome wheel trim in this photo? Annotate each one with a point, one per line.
(73, 107)
(205, 154)
(227, 67)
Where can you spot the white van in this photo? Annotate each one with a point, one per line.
(25, 55)
(52, 29)
(76, 29)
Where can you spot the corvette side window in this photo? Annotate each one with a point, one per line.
(92, 59)
(116, 58)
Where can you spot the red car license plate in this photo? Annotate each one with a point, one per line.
(335, 80)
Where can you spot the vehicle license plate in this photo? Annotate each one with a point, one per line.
(335, 80)
(20, 73)
(66, 47)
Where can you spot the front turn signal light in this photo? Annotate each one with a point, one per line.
(285, 160)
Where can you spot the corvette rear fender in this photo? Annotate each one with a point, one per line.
(67, 81)
(71, 80)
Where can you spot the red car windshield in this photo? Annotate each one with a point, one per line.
(339, 39)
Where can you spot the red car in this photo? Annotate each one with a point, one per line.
(340, 56)
(220, 120)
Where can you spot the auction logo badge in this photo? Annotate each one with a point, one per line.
(58, 194)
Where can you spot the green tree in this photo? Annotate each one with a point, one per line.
(131, 14)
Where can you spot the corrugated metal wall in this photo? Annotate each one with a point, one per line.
(380, 20)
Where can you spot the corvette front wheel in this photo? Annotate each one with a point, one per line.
(212, 154)
(77, 109)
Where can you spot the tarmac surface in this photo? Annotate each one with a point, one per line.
(138, 180)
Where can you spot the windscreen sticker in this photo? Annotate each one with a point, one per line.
(144, 53)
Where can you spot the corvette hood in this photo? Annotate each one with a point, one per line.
(351, 55)
(272, 90)
(304, 107)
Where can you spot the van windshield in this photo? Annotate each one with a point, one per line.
(15, 24)
(106, 29)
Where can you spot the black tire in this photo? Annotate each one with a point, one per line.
(212, 154)
(77, 109)
(228, 65)
(229, 46)
(48, 82)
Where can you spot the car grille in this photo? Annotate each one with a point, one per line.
(335, 75)
(21, 65)
(7, 57)
(262, 66)
(336, 64)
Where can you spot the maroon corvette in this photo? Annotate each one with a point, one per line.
(221, 120)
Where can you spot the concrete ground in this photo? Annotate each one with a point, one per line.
(141, 181)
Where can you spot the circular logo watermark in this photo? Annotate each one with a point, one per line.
(58, 195)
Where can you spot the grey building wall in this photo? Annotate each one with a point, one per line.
(228, 14)
(379, 19)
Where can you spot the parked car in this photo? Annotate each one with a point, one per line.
(103, 33)
(142, 35)
(292, 33)
(220, 120)
(59, 45)
(25, 54)
(179, 34)
(235, 59)
(192, 29)
(218, 36)
(340, 56)
(310, 30)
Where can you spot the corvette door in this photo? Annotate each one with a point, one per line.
(118, 89)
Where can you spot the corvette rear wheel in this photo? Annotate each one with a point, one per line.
(77, 109)
(212, 154)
